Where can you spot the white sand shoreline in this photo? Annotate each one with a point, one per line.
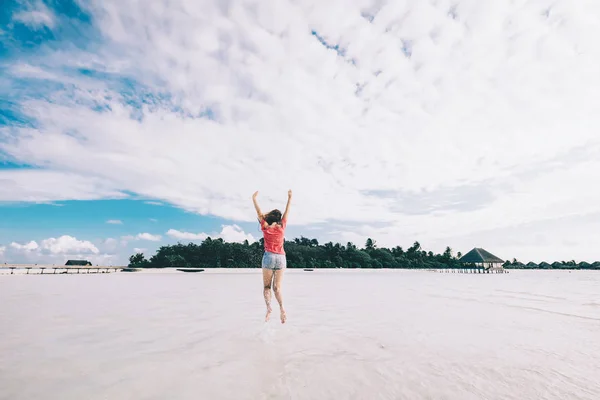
(103, 270)
(49, 270)
(350, 334)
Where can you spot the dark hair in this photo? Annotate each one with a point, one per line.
(273, 216)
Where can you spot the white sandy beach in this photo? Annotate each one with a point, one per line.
(351, 334)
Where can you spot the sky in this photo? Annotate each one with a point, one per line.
(128, 125)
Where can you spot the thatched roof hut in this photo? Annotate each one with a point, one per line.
(584, 265)
(79, 262)
(481, 257)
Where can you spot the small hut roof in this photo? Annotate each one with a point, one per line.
(479, 255)
(78, 262)
(543, 264)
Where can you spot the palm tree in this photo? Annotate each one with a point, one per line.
(370, 244)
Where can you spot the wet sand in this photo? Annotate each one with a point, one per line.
(350, 334)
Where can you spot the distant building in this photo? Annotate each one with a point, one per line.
(79, 262)
(483, 259)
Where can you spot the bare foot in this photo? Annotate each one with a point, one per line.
(283, 316)
(269, 310)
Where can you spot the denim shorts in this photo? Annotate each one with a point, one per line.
(273, 261)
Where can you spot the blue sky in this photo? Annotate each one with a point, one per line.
(97, 221)
(454, 123)
(85, 218)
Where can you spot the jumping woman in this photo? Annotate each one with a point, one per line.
(274, 262)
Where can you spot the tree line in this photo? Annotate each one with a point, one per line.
(308, 253)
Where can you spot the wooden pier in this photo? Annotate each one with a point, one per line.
(60, 269)
(473, 271)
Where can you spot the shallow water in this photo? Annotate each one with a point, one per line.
(350, 335)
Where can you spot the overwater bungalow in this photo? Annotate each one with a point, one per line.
(483, 259)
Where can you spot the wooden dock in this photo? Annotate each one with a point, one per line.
(473, 271)
(41, 269)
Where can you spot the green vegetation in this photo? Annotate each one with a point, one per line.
(308, 253)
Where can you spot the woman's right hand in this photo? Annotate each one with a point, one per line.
(290, 194)
(255, 194)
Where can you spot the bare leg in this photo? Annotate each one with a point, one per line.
(267, 279)
(278, 295)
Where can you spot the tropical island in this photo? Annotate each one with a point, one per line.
(309, 253)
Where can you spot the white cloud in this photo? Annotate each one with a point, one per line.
(45, 186)
(140, 236)
(56, 251)
(32, 71)
(30, 246)
(174, 233)
(154, 203)
(2, 250)
(36, 16)
(68, 245)
(114, 222)
(153, 220)
(436, 120)
(148, 236)
(233, 233)
(64, 244)
(229, 233)
(139, 250)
